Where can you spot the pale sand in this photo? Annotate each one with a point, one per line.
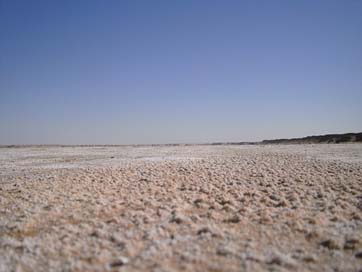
(191, 208)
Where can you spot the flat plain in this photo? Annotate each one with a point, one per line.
(181, 208)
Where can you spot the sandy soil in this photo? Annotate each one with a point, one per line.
(191, 208)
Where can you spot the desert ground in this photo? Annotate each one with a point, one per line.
(181, 208)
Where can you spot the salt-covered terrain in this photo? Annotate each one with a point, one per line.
(174, 208)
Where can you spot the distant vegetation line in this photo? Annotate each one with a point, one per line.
(328, 138)
(315, 139)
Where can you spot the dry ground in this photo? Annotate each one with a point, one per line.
(181, 208)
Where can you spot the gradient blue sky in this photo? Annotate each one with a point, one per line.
(123, 72)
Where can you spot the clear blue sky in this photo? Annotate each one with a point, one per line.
(121, 72)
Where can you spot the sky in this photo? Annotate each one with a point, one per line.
(148, 72)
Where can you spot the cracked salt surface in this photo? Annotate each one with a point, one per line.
(173, 208)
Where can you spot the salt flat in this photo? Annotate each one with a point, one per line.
(173, 208)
